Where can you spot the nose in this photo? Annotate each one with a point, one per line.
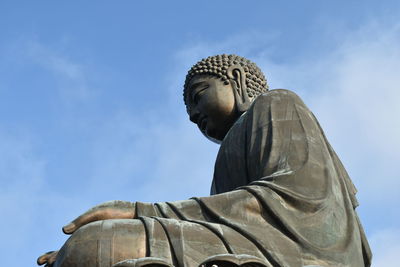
(194, 115)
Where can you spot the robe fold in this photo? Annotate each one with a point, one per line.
(279, 193)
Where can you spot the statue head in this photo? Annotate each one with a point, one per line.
(218, 90)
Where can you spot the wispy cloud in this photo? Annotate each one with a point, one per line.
(160, 155)
(151, 158)
(355, 94)
(71, 75)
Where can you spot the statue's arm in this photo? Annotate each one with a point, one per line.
(216, 208)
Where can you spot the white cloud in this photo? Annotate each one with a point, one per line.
(354, 92)
(71, 76)
(150, 158)
(366, 79)
(161, 156)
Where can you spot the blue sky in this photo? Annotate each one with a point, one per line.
(91, 103)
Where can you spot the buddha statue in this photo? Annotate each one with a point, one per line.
(280, 195)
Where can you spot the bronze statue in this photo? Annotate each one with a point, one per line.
(280, 195)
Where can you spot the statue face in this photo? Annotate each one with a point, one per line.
(211, 105)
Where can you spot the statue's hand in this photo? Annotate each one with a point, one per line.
(48, 258)
(108, 210)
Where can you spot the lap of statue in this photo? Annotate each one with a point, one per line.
(126, 243)
(104, 243)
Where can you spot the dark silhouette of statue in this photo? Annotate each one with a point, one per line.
(280, 195)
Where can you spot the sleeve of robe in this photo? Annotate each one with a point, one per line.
(297, 200)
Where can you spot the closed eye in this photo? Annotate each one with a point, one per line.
(197, 95)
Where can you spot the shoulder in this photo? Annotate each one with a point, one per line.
(276, 96)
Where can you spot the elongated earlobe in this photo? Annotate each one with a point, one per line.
(237, 78)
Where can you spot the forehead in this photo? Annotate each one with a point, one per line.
(200, 78)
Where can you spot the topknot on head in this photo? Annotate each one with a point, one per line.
(218, 65)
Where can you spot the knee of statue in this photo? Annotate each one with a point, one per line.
(104, 243)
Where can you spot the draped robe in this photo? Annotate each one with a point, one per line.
(279, 193)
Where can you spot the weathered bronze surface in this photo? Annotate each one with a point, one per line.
(280, 195)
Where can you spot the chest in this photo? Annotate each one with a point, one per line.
(230, 169)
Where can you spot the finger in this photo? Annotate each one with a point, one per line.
(52, 258)
(91, 215)
(43, 259)
(114, 209)
(97, 215)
